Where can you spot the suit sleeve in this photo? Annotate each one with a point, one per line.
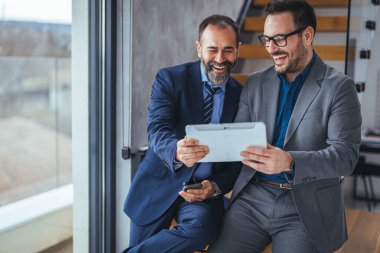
(162, 118)
(343, 140)
(243, 114)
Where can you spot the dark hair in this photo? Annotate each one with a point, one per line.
(219, 21)
(303, 13)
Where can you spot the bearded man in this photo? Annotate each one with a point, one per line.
(192, 93)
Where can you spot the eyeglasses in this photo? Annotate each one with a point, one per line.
(279, 40)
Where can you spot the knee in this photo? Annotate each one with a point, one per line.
(199, 237)
(202, 231)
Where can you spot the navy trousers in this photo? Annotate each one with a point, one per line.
(198, 224)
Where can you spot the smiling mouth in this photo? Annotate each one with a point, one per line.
(279, 57)
(219, 69)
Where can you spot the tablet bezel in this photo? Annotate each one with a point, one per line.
(227, 140)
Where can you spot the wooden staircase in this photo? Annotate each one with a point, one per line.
(325, 24)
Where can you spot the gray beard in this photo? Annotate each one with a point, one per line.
(218, 79)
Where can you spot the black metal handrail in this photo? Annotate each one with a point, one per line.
(243, 13)
(346, 61)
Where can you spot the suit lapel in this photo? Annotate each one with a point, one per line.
(309, 91)
(195, 89)
(271, 90)
(231, 102)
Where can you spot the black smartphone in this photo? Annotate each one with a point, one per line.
(192, 186)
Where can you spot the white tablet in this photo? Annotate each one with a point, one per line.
(226, 141)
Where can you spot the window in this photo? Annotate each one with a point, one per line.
(35, 107)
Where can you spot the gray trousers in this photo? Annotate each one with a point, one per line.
(262, 213)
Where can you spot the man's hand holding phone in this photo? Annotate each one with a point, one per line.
(197, 192)
(191, 186)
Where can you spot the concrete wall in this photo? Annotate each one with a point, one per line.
(164, 34)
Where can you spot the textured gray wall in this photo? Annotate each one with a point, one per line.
(164, 34)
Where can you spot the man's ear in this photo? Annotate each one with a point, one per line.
(238, 50)
(199, 48)
(309, 35)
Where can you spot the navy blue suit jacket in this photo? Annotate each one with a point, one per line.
(176, 101)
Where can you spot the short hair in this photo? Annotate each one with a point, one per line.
(219, 21)
(303, 13)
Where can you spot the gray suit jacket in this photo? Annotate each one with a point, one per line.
(323, 136)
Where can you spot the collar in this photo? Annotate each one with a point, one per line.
(205, 79)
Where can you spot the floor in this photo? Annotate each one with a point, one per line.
(34, 158)
(355, 203)
(64, 247)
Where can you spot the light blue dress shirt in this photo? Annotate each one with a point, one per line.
(218, 96)
(204, 169)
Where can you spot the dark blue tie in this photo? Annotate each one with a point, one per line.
(204, 170)
(208, 103)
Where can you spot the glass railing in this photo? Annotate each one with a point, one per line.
(35, 123)
(36, 193)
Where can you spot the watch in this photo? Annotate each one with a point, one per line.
(290, 174)
(217, 190)
(292, 165)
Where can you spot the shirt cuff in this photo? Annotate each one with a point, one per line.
(176, 164)
(217, 190)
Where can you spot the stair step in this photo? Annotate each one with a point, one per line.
(240, 77)
(326, 52)
(315, 3)
(324, 24)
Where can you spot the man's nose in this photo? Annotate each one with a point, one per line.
(219, 58)
(271, 46)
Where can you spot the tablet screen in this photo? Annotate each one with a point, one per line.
(226, 141)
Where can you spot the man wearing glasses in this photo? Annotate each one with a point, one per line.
(290, 193)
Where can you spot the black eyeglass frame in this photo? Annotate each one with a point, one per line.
(277, 37)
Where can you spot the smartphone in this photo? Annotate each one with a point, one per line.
(192, 186)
